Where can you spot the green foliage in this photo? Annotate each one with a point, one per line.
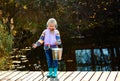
(33, 14)
(6, 41)
(5, 63)
(98, 19)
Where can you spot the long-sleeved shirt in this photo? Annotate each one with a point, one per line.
(49, 38)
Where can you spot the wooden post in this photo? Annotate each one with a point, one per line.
(70, 60)
(93, 59)
(112, 58)
(117, 57)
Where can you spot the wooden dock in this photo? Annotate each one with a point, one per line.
(62, 76)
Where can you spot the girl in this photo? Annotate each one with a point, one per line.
(51, 39)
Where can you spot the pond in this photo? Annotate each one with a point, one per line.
(100, 60)
(95, 59)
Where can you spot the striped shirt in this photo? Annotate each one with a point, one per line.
(49, 38)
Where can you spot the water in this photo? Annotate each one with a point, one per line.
(97, 59)
(102, 59)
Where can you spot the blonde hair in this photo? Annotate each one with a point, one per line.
(52, 20)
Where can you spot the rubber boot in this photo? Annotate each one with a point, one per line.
(55, 73)
(50, 72)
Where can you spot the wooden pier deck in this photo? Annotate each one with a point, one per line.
(62, 76)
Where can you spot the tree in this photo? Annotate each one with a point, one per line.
(97, 20)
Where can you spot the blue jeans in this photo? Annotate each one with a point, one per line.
(50, 62)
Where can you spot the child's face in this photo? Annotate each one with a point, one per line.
(51, 26)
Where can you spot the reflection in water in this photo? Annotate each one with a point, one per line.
(83, 56)
(98, 59)
(101, 59)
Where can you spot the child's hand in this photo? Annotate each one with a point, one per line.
(34, 46)
(56, 43)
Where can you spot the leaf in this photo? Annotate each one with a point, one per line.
(25, 7)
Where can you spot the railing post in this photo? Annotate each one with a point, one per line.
(92, 59)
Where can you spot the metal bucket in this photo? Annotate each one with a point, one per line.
(57, 53)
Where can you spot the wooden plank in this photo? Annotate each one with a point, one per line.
(11, 75)
(80, 76)
(65, 76)
(28, 77)
(88, 76)
(2, 72)
(37, 74)
(6, 74)
(25, 76)
(40, 77)
(112, 76)
(118, 77)
(44, 78)
(104, 76)
(96, 76)
(72, 76)
(22, 73)
(61, 74)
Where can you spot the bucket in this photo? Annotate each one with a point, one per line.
(57, 53)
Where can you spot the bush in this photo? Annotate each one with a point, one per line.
(6, 41)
